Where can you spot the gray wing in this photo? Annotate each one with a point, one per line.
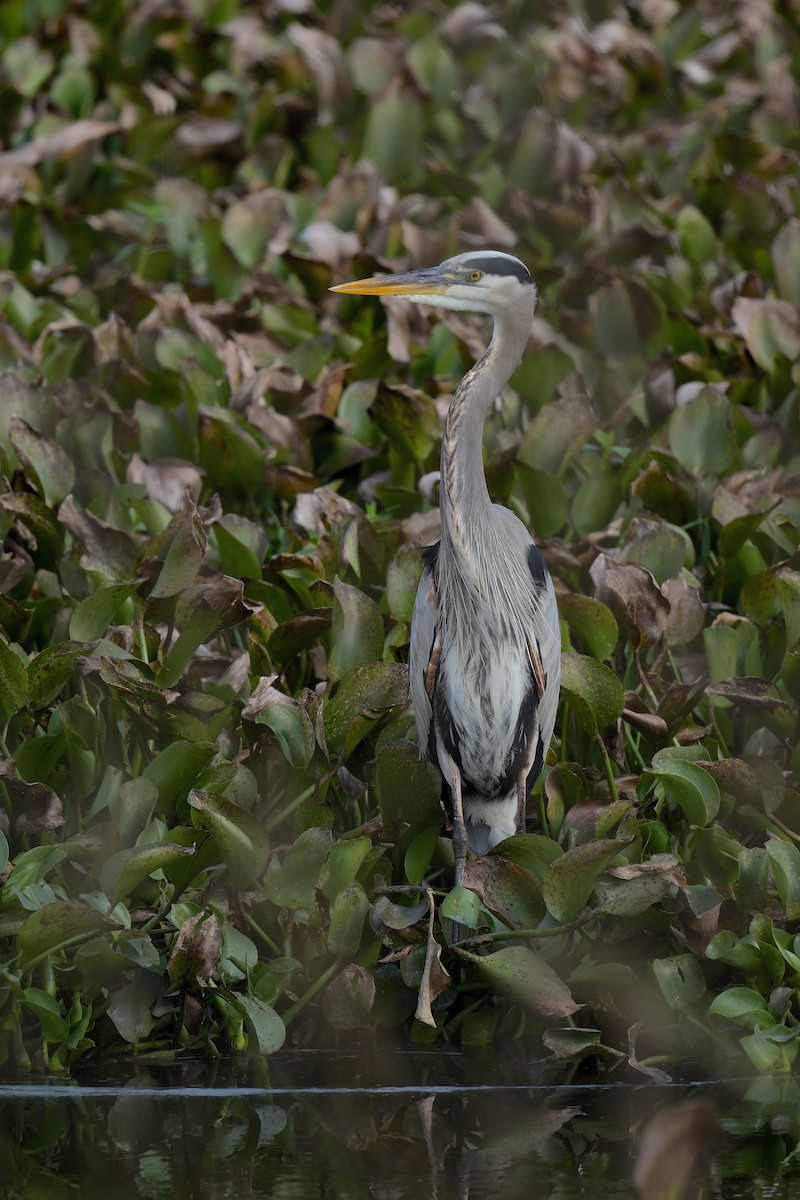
(424, 653)
(545, 651)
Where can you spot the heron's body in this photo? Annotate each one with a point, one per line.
(484, 650)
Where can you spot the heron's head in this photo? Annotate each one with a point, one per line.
(485, 281)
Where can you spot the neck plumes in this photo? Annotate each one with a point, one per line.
(464, 497)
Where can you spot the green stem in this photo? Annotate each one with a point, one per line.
(272, 822)
(609, 769)
(508, 935)
(308, 996)
(266, 939)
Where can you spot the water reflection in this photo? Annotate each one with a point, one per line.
(440, 1126)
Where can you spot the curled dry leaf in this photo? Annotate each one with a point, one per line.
(197, 951)
(435, 977)
(166, 482)
(631, 592)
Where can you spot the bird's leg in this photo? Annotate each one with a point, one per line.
(522, 802)
(459, 828)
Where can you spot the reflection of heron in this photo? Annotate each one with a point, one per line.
(485, 654)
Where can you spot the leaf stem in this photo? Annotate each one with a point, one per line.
(309, 995)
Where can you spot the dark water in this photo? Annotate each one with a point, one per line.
(319, 1124)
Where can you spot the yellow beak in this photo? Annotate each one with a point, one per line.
(412, 283)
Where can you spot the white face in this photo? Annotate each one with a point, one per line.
(487, 282)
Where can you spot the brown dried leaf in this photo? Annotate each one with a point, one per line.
(435, 977)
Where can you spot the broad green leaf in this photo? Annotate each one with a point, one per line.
(363, 696)
(48, 1012)
(49, 671)
(556, 434)
(681, 980)
(688, 785)
(391, 137)
(463, 906)
(510, 891)
(743, 1006)
(591, 622)
(348, 914)
(526, 978)
(51, 465)
(131, 807)
(267, 1027)
(13, 681)
(241, 838)
(785, 861)
(701, 433)
(125, 870)
(356, 631)
(409, 788)
(419, 854)
(50, 929)
(292, 726)
(174, 771)
(293, 884)
(242, 546)
(93, 615)
(184, 556)
(344, 861)
(530, 850)
(570, 879)
(595, 694)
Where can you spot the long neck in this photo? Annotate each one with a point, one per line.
(464, 497)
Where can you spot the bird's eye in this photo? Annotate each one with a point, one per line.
(475, 276)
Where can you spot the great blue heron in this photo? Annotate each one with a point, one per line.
(484, 664)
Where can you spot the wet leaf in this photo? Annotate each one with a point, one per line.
(125, 870)
(356, 632)
(293, 885)
(409, 788)
(570, 879)
(701, 434)
(56, 927)
(590, 622)
(594, 693)
(510, 891)
(348, 999)
(526, 978)
(267, 1027)
(51, 465)
(241, 838)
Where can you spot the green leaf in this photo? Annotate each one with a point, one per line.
(463, 906)
(556, 434)
(174, 771)
(681, 980)
(242, 546)
(419, 854)
(267, 1027)
(743, 1006)
(595, 694)
(348, 914)
(125, 870)
(356, 633)
(409, 788)
(343, 864)
(93, 615)
(241, 838)
(293, 884)
(510, 891)
(570, 879)
(184, 556)
(701, 433)
(391, 137)
(49, 671)
(530, 850)
(13, 681)
(785, 859)
(50, 464)
(292, 726)
(591, 622)
(527, 980)
(52, 928)
(48, 1012)
(688, 785)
